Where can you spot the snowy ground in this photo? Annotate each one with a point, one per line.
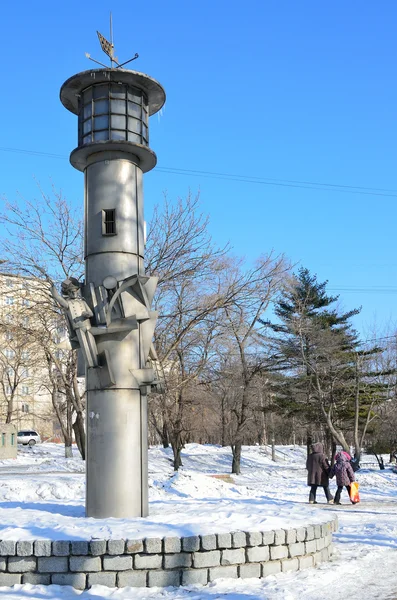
(42, 495)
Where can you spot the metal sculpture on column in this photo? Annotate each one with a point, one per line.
(109, 316)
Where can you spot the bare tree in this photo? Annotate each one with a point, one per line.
(181, 254)
(45, 242)
(248, 294)
(179, 246)
(66, 392)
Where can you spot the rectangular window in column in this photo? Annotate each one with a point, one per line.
(109, 221)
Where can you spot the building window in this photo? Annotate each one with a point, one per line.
(109, 221)
(25, 407)
(8, 390)
(12, 439)
(25, 372)
(9, 300)
(25, 321)
(113, 112)
(8, 318)
(25, 390)
(9, 353)
(3, 439)
(8, 335)
(9, 283)
(26, 302)
(10, 372)
(25, 355)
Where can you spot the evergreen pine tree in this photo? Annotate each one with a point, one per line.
(314, 345)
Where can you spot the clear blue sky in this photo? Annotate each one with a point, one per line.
(286, 90)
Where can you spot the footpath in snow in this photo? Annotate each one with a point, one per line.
(42, 496)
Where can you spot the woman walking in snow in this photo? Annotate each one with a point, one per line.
(318, 473)
(344, 473)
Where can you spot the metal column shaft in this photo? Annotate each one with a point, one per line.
(117, 417)
(117, 450)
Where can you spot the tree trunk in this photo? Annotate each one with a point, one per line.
(336, 433)
(79, 434)
(69, 429)
(66, 434)
(79, 429)
(264, 431)
(10, 409)
(164, 436)
(333, 453)
(236, 463)
(223, 422)
(293, 432)
(338, 436)
(393, 453)
(329, 443)
(368, 420)
(177, 449)
(380, 461)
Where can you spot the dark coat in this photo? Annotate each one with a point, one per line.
(343, 471)
(318, 466)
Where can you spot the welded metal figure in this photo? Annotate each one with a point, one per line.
(78, 315)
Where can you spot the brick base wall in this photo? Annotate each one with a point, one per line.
(169, 561)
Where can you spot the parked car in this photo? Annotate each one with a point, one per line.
(28, 437)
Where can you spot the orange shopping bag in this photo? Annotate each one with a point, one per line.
(354, 495)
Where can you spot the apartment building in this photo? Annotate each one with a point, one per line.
(26, 318)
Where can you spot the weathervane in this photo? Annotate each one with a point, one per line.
(108, 48)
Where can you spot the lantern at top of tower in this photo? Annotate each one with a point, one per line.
(113, 107)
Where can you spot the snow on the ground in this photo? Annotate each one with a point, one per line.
(42, 495)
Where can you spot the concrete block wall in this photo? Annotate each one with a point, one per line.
(168, 561)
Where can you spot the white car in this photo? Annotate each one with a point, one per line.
(28, 437)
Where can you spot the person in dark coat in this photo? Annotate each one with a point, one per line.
(318, 473)
(344, 473)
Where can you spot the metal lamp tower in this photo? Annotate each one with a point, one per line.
(112, 322)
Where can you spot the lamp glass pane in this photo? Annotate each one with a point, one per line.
(134, 125)
(101, 122)
(87, 139)
(101, 91)
(101, 135)
(117, 135)
(101, 106)
(87, 126)
(87, 111)
(134, 110)
(117, 122)
(117, 106)
(87, 95)
(134, 137)
(118, 91)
